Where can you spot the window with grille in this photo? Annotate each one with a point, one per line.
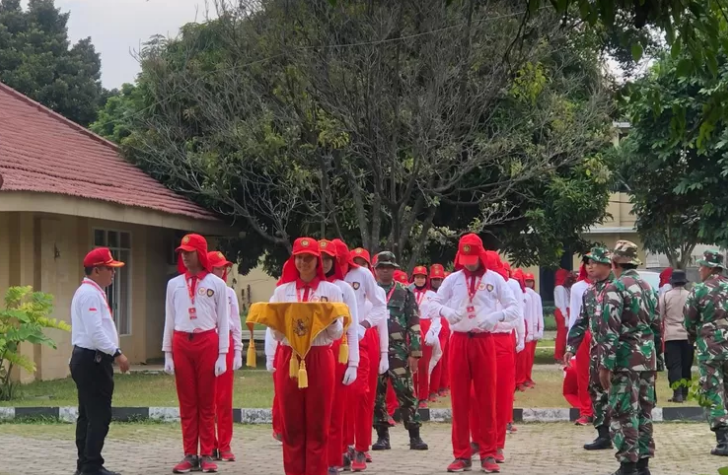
(118, 293)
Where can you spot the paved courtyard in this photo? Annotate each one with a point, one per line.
(546, 448)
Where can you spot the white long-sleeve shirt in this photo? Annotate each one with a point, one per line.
(288, 293)
(92, 325)
(383, 325)
(537, 315)
(365, 290)
(517, 324)
(352, 333)
(212, 310)
(270, 345)
(424, 299)
(528, 314)
(490, 291)
(561, 300)
(235, 326)
(575, 299)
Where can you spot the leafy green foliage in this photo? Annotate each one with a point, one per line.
(23, 320)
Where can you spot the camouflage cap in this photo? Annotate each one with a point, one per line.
(711, 258)
(625, 252)
(599, 255)
(386, 258)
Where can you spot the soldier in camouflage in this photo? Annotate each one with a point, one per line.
(628, 347)
(599, 268)
(706, 320)
(404, 354)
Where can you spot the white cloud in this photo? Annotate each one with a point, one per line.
(119, 27)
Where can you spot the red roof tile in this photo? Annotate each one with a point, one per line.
(43, 152)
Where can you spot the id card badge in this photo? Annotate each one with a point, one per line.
(471, 311)
(193, 313)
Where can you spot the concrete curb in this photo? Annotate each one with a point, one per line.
(263, 416)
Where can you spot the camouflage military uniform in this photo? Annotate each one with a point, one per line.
(629, 342)
(588, 319)
(404, 341)
(706, 320)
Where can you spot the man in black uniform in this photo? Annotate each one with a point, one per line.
(95, 349)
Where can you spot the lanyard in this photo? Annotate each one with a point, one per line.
(419, 295)
(192, 288)
(94, 284)
(389, 294)
(305, 296)
(474, 290)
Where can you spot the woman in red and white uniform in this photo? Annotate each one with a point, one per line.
(224, 389)
(430, 327)
(537, 320)
(469, 300)
(196, 343)
(306, 413)
(439, 378)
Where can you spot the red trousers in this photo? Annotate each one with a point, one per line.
(336, 447)
(473, 368)
(582, 365)
(531, 349)
(277, 419)
(439, 379)
(365, 424)
(560, 335)
(357, 428)
(194, 357)
(306, 413)
(505, 358)
(422, 377)
(522, 360)
(570, 388)
(224, 403)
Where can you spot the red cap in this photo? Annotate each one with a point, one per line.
(329, 248)
(494, 262)
(345, 258)
(217, 259)
(470, 251)
(419, 270)
(101, 257)
(302, 245)
(437, 271)
(520, 277)
(192, 243)
(363, 253)
(528, 276)
(401, 276)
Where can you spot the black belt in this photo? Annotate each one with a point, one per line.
(98, 356)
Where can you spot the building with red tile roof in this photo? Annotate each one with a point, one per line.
(65, 190)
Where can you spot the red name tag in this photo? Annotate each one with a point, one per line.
(193, 313)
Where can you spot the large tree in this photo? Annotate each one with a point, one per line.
(37, 59)
(396, 124)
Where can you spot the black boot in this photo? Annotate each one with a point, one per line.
(643, 467)
(627, 468)
(677, 396)
(416, 442)
(721, 435)
(602, 442)
(382, 439)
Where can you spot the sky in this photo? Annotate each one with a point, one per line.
(119, 27)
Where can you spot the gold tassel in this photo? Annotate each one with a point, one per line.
(251, 361)
(302, 376)
(293, 371)
(344, 350)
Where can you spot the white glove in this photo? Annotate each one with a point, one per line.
(383, 363)
(269, 365)
(430, 338)
(168, 363)
(488, 323)
(520, 346)
(349, 375)
(451, 315)
(220, 364)
(361, 331)
(238, 360)
(529, 338)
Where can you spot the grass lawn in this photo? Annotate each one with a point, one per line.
(254, 389)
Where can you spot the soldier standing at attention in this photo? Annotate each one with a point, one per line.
(629, 347)
(706, 320)
(585, 331)
(404, 354)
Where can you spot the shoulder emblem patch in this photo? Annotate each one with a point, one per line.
(489, 287)
(356, 285)
(210, 292)
(201, 291)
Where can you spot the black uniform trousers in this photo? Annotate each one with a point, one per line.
(679, 360)
(93, 374)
